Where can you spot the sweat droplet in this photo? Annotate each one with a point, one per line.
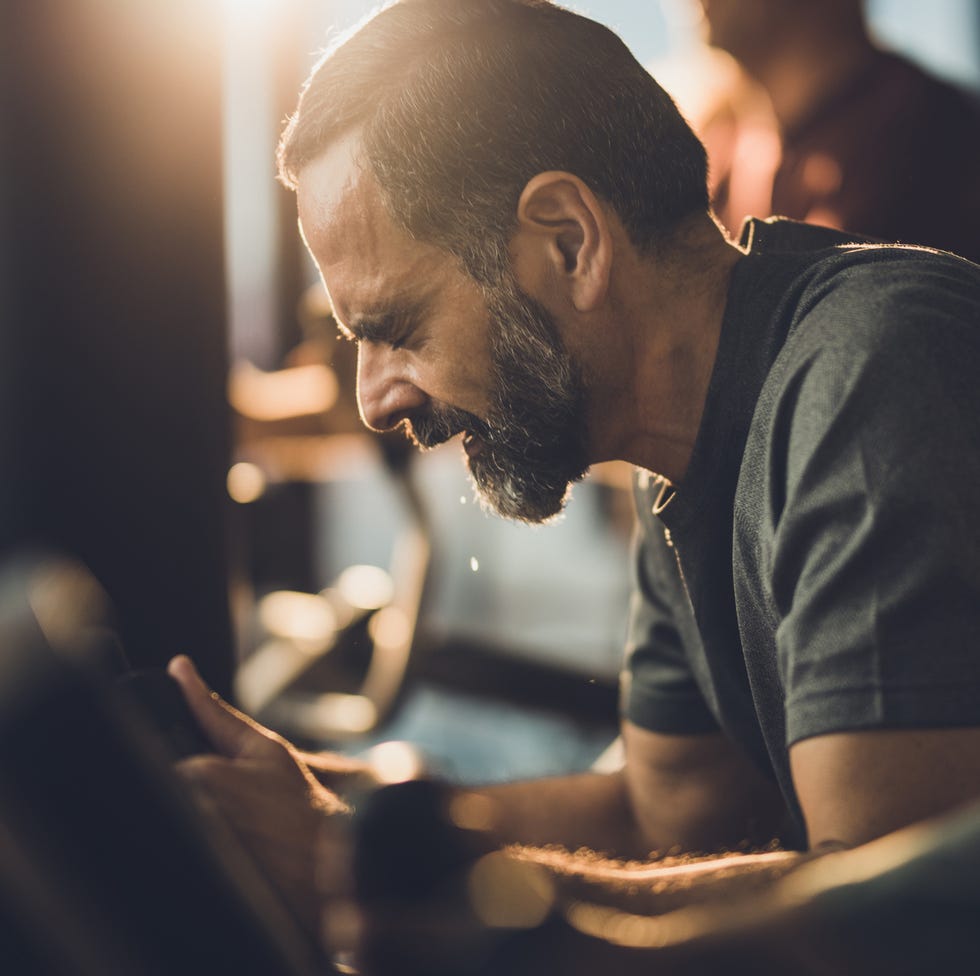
(474, 563)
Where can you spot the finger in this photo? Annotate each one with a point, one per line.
(233, 734)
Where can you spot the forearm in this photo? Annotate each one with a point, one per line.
(672, 918)
(652, 888)
(499, 910)
(582, 810)
(689, 793)
(590, 810)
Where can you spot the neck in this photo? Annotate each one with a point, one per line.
(671, 307)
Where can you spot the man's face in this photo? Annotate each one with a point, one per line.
(440, 355)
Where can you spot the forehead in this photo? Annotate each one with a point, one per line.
(364, 257)
(337, 198)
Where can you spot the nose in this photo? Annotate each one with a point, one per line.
(385, 397)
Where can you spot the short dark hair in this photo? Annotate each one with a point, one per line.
(461, 102)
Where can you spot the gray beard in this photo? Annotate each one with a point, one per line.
(534, 440)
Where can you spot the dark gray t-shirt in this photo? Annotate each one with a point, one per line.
(819, 569)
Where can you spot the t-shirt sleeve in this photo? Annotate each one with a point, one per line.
(659, 691)
(875, 558)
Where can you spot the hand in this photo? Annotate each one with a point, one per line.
(296, 829)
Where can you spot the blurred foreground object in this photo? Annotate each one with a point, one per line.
(113, 348)
(444, 900)
(106, 865)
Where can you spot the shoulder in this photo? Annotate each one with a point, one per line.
(864, 283)
(878, 374)
(866, 305)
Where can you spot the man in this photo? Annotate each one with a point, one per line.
(855, 137)
(511, 220)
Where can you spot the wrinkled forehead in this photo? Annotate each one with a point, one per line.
(338, 203)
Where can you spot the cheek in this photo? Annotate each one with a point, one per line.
(468, 394)
(453, 377)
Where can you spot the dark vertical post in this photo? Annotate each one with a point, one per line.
(116, 440)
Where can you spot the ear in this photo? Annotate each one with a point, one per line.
(563, 240)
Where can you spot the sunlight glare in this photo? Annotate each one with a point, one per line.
(303, 617)
(366, 587)
(395, 762)
(246, 482)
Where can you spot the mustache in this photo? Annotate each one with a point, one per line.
(437, 424)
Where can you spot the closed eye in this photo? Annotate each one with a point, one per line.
(392, 329)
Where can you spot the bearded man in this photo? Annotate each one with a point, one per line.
(511, 220)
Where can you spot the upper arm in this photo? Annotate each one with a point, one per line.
(875, 571)
(856, 786)
(697, 792)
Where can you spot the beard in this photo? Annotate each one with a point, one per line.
(533, 443)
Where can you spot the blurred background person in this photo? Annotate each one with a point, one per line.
(817, 122)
